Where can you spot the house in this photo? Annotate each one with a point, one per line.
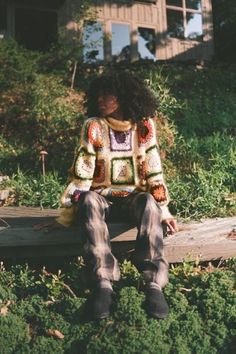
(120, 30)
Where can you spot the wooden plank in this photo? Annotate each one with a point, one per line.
(49, 247)
(207, 240)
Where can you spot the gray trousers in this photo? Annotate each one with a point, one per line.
(94, 211)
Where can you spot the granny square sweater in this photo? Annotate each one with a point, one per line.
(114, 159)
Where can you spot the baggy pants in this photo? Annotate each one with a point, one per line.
(93, 212)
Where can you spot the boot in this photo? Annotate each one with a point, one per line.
(155, 302)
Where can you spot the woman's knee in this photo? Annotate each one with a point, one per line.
(147, 198)
(91, 202)
(148, 202)
(88, 198)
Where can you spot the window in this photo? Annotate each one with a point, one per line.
(93, 42)
(184, 19)
(146, 43)
(120, 42)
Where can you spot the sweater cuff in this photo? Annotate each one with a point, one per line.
(165, 213)
(75, 196)
(67, 216)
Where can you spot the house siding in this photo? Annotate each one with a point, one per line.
(138, 14)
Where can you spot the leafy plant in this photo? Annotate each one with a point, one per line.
(31, 191)
(202, 315)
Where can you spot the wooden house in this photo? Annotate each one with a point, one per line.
(120, 30)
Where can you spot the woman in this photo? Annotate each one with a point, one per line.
(117, 170)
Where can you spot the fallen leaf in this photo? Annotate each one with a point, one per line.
(49, 302)
(55, 333)
(3, 311)
(185, 289)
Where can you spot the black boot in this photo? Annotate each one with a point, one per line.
(155, 303)
(101, 303)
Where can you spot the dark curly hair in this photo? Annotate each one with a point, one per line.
(135, 98)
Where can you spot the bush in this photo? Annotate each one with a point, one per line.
(209, 105)
(14, 333)
(38, 191)
(202, 315)
(202, 182)
(38, 112)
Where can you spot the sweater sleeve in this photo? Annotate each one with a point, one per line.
(154, 174)
(82, 169)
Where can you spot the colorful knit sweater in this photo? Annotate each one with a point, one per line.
(114, 159)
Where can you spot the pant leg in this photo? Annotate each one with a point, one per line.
(92, 209)
(149, 253)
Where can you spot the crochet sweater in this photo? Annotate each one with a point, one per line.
(114, 159)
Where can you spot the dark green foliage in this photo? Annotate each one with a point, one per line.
(46, 346)
(202, 315)
(38, 112)
(208, 106)
(224, 15)
(200, 100)
(14, 333)
(204, 183)
(17, 65)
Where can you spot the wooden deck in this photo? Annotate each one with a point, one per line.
(211, 239)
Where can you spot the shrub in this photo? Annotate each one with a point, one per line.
(38, 111)
(202, 182)
(14, 332)
(208, 106)
(39, 191)
(46, 346)
(202, 315)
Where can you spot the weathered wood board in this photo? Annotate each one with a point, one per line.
(207, 240)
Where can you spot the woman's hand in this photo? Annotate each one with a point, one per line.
(171, 224)
(48, 226)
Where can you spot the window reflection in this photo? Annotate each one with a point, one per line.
(93, 42)
(120, 43)
(193, 4)
(175, 24)
(146, 43)
(194, 26)
(175, 2)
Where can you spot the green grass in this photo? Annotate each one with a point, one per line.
(200, 174)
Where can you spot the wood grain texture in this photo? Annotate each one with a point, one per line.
(207, 240)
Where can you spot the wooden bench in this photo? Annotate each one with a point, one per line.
(208, 240)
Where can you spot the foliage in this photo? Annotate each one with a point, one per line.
(204, 179)
(224, 14)
(39, 191)
(205, 108)
(18, 65)
(195, 128)
(43, 318)
(38, 111)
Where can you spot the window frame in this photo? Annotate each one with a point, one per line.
(185, 10)
(155, 33)
(146, 1)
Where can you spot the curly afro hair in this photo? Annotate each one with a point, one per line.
(136, 99)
